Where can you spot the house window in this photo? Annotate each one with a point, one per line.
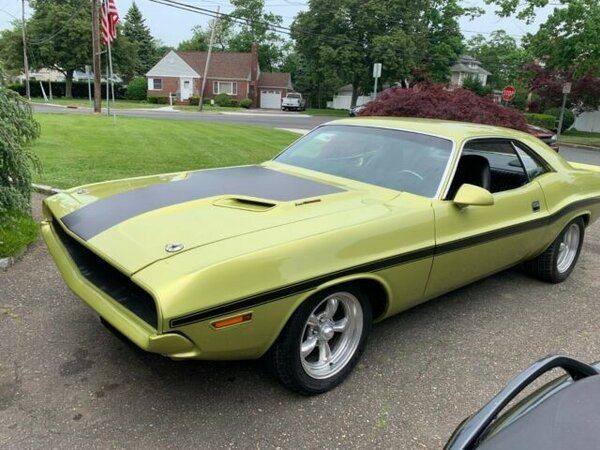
(225, 87)
(154, 84)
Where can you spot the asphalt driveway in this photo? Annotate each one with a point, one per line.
(65, 382)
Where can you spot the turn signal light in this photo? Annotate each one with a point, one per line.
(232, 320)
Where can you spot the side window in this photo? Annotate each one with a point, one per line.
(534, 168)
(492, 164)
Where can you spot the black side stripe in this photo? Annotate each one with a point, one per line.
(303, 286)
(307, 285)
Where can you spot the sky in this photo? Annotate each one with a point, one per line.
(172, 25)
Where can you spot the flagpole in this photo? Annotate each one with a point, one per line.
(109, 68)
(107, 94)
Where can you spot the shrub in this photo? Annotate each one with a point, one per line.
(17, 130)
(435, 101)
(17, 231)
(80, 89)
(473, 84)
(234, 103)
(194, 101)
(541, 120)
(137, 89)
(246, 103)
(223, 100)
(207, 101)
(568, 118)
(158, 100)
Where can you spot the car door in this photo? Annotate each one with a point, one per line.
(475, 241)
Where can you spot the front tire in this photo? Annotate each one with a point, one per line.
(558, 261)
(322, 342)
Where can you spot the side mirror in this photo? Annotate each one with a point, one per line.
(471, 195)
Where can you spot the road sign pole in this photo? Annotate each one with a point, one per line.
(376, 75)
(566, 90)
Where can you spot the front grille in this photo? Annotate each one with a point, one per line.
(108, 279)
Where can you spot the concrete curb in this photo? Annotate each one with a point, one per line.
(43, 189)
(585, 147)
(8, 261)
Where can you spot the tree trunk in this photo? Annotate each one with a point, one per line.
(69, 83)
(354, 95)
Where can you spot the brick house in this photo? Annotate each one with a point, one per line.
(235, 74)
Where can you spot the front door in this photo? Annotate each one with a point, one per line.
(186, 88)
(476, 241)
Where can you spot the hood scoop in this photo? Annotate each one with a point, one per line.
(246, 204)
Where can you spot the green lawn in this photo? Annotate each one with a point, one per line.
(85, 103)
(77, 149)
(327, 112)
(581, 138)
(17, 231)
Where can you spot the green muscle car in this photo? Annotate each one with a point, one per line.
(293, 259)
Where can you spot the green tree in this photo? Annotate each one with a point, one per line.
(11, 49)
(197, 43)
(499, 54)
(345, 38)
(138, 34)
(569, 37)
(255, 26)
(17, 130)
(60, 36)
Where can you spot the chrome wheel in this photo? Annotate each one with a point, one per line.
(568, 248)
(331, 335)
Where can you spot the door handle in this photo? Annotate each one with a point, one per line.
(535, 206)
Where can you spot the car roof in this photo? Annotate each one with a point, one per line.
(457, 131)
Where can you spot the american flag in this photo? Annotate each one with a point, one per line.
(110, 18)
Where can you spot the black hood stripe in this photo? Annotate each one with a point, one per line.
(250, 181)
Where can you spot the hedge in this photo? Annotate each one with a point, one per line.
(80, 89)
(541, 120)
(568, 118)
(158, 100)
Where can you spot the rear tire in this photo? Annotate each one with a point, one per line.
(558, 261)
(322, 341)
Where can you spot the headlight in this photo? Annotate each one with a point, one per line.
(552, 139)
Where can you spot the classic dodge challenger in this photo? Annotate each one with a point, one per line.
(293, 259)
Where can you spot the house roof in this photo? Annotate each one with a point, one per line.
(222, 65)
(274, 79)
(466, 69)
(463, 65)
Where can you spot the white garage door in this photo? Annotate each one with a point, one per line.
(270, 99)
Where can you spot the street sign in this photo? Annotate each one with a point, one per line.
(508, 93)
(376, 70)
(567, 88)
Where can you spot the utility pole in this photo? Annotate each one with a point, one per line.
(96, 57)
(210, 45)
(25, 62)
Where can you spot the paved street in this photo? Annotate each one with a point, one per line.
(66, 382)
(277, 120)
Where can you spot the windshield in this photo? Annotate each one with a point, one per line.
(293, 96)
(394, 159)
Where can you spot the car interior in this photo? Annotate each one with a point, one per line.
(494, 164)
